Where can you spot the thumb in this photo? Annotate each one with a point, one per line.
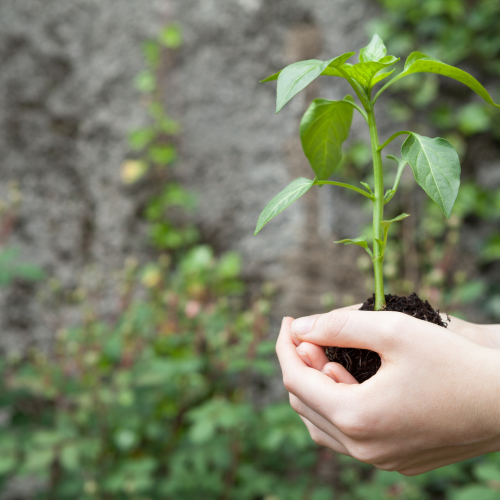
(377, 331)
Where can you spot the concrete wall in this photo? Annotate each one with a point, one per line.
(67, 103)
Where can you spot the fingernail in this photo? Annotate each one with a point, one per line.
(331, 375)
(304, 357)
(303, 326)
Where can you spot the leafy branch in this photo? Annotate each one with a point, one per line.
(326, 126)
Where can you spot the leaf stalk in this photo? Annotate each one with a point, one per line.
(393, 136)
(347, 186)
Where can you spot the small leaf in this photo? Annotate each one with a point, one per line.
(399, 161)
(324, 128)
(145, 82)
(298, 76)
(365, 73)
(171, 36)
(421, 63)
(436, 167)
(271, 78)
(386, 223)
(378, 78)
(283, 200)
(380, 242)
(367, 186)
(360, 242)
(374, 51)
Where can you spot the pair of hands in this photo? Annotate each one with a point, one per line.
(435, 400)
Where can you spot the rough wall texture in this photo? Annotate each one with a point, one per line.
(238, 154)
(67, 103)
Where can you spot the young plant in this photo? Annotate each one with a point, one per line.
(326, 125)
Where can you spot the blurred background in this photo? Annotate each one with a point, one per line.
(138, 311)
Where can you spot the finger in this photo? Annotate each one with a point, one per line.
(295, 338)
(318, 420)
(355, 307)
(313, 355)
(309, 385)
(378, 331)
(338, 373)
(323, 439)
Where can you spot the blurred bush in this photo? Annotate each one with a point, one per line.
(156, 403)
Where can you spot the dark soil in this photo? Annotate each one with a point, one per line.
(363, 364)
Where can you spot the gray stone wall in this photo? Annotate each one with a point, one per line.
(237, 154)
(67, 103)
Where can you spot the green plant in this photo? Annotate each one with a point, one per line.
(155, 404)
(154, 148)
(326, 124)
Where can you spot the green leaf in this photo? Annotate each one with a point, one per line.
(324, 128)
(360, 242)
(421, 63)
(367, 186)
(436, 167)
(171, 36)
(378, 78)
(386, 223)
(365, 73)
(401, 163)
(298, 76)
(374, 51)
(475, 492)
(283, 200)
(145, 82)
(487, 472)
(271, 78)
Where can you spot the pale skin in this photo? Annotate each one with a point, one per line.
(435, 400)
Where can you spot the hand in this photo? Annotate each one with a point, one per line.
(433, 402)
(485, 335)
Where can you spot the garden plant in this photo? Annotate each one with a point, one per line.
(326, 126)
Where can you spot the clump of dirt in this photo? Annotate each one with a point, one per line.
(363, 364)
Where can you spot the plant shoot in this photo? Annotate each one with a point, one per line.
(326, 125)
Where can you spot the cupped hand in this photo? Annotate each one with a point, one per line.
(433, 402)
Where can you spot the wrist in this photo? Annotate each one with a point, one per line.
(491, 334)
(487, 406)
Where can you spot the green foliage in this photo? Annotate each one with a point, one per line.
(360, 242)
(12, 267)
(298, 76)
(324, 128)
(436, 167)
(421, 63)
(283, 200)
(154, 404)
(155, 145)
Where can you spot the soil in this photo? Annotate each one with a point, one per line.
(363, 364)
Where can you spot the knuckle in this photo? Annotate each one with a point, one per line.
(335, 322)
(288, 383)
(387, 466)
(364, 454)
(316, 436)
(410, 472)
(355, 426)
(294, 403)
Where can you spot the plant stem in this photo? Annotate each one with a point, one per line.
(378, 212)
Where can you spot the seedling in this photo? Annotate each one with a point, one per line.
(326, 125)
